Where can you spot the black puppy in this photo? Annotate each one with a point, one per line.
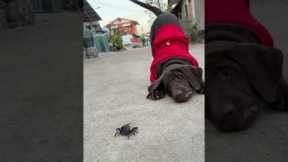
(243, 69)
(241, 78)
(174, 71)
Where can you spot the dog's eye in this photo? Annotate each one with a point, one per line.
(224, 74)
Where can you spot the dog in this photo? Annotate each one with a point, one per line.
(243, 69)
(174, 71)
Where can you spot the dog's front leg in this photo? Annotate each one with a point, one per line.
(156, 94)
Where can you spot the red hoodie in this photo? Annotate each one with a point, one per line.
(169, 42)
(236, 12)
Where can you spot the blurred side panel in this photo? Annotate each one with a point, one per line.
(41, 80)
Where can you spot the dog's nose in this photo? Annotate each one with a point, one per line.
(236, 117)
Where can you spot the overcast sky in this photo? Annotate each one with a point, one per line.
(109, 10)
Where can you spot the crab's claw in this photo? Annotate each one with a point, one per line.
(117, 132)
(134, 130)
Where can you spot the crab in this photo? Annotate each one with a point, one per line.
(126, 130)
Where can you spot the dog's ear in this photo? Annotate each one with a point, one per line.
(156, 90)
(195, 78)
(155, 85)
(263, 66)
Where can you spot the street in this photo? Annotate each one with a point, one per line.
(115, 89)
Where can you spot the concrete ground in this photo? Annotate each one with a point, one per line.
(115, 87)
(267, 140)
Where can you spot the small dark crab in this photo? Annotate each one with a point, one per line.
(126, 130)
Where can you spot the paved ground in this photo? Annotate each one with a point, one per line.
(267, 140)
(115, 86)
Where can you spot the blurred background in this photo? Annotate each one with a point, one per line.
(119, 25)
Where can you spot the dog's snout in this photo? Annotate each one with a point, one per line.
(237, 117)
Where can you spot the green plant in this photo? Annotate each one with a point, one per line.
(194, 33)
(192, 30)
(115, 40)
(187, 25)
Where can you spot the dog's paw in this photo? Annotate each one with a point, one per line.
(156, 95)
(237, 119)
(201, 90)
(281, 103)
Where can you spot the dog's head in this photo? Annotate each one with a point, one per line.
(179, 82)
(228, 94)
(239, 77)
(177, 86)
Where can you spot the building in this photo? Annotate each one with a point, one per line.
(125, 26)
(56, 5)
(90, 16)
(15, 13)
(191, 12)
(91, 28)
(3, 19)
